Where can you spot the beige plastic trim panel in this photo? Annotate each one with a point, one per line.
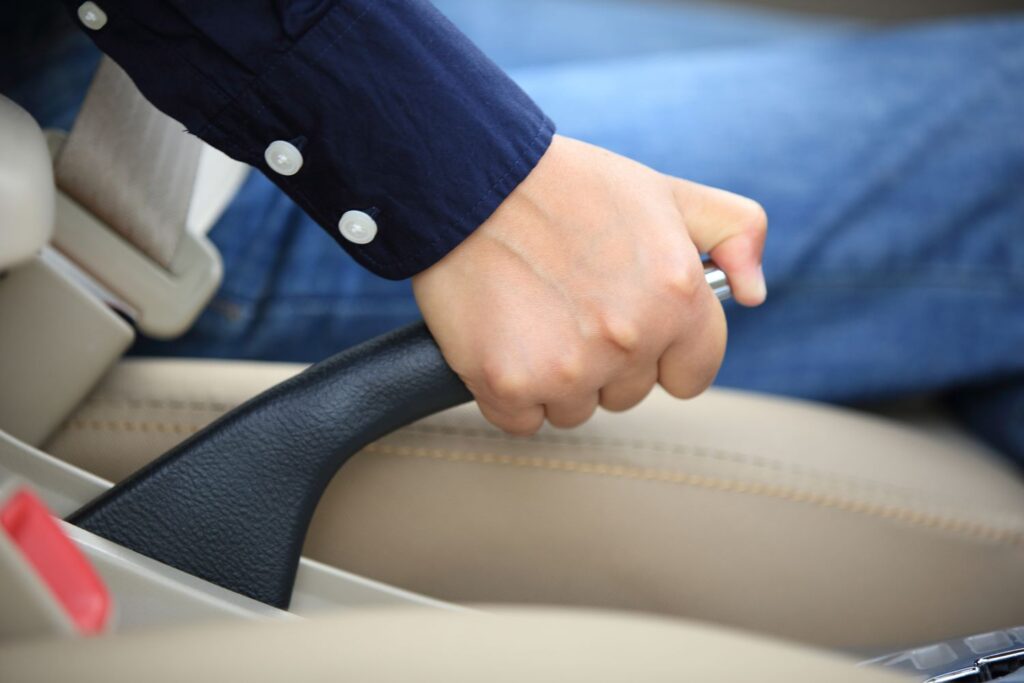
(56, 342)
(378, 646)
(149, 593)
(145, 592)
(26, 186)
(61, 486)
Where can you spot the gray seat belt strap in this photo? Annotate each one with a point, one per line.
(130, 165)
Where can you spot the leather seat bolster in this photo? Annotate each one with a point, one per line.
(807, 522)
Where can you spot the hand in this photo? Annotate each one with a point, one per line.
(586, 287)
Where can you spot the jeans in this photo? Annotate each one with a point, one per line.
(891, 164)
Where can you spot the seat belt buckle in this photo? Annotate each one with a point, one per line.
(162, 301)
(135, 193)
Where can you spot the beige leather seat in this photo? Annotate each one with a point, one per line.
(780, 517)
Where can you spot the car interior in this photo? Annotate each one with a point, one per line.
(359, 520)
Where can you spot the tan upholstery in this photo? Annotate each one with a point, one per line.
(775, 516)
(404, 645)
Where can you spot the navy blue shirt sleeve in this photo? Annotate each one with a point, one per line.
(393, 111)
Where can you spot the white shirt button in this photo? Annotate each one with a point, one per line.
(283, 157)
(92, 16)
(357, 227)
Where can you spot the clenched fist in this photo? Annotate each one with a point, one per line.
(586, 288)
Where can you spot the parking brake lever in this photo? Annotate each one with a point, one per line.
(232, 503)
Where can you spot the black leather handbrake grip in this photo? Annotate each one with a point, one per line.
(232, 503)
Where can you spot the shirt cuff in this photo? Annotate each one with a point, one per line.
(386, 108)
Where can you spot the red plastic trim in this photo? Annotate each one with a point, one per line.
(57, 560)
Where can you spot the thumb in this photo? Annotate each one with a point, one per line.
(731, 229)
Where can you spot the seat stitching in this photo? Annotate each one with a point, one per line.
(129, 425)
(599, 441)
(134, 403)
(782, 492)
(143, 426)
(903, 514)
(657, 447)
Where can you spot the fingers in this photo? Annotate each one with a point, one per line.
(732, 229)
(689, 366)
(518, 422)
(625, 392)
(564, 414)
(566, 394)
(571, 413)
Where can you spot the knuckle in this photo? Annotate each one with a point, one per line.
(624, 334)
(504, 384)
(621, 332)
(755, 218)
(685, 283)
(569, 368)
